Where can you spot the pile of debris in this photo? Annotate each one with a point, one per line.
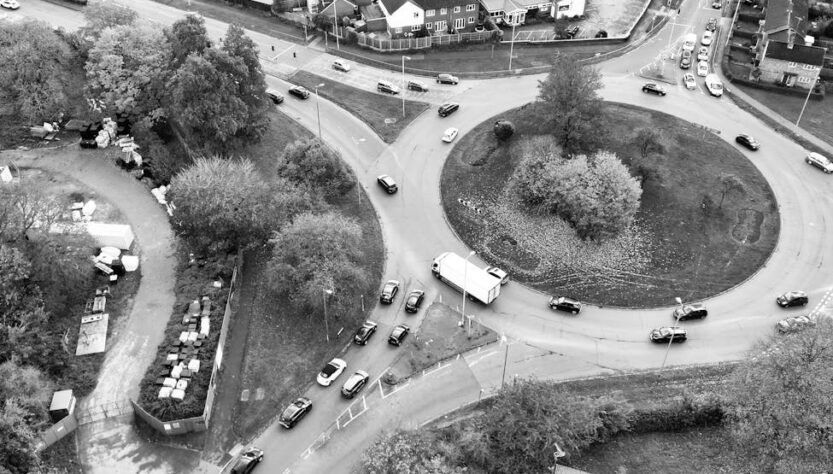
(112, 263)
(182, 361)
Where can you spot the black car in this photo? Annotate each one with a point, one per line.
(274, 96)
(389, 292)
(690, 311)
(387, 183)
(712, 24)
(247, 461)
(572, 31)
(299, 92)
(354, 384)
(364, 333)
(601, 34)
(447, 79)
(414, 301)
(668, 334)
(447, 109)
(294, 412)
(398, 334)
(793, 298)
(562, 303)
(747, 141)
(652, 88)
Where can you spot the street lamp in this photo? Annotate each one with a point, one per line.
(327, 292)
(465, 281)
(512, 46)
(317, 110)
(676, 321)
(807, 99)
(403, 82)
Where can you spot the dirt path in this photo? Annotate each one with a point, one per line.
(112, 445)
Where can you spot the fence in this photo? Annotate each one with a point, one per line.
(199, 423)
(404, 44)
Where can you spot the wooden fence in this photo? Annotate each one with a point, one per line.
(425, 42)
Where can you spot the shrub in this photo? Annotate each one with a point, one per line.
(504, 129)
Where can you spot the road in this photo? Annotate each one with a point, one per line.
(536, 341)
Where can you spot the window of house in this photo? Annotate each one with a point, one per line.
(397, 30)
(429, 26)
(416, 27)
(430, 12)
(471, 19)
(457, 9)
(443, 11)
(471, 8)
(809, 67)
(439, 26)
(792, 64)
(803, 80)
(459, 23)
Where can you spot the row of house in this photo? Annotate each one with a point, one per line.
(404, 18)
(784, 53)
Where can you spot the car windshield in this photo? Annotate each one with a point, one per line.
(290, 411)
(363, 330)
(329, 369)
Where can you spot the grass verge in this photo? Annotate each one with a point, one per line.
(687, 240)
(439, 338)
(375, 110)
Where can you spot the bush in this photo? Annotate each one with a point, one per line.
(504, 129)
(687, 413)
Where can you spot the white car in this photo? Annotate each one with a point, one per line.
(688, 80)
(331, 371)
(341, 65)
(715, 85)
(707, 38)
(450, 134)
(703, 54)
(819, 161)
(703, 68)
(10, 4)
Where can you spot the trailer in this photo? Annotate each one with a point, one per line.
(569, 9)
(455, 271)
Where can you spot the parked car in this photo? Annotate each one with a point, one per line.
(717, 4)
(562, 303)
(398, 334)
(447, 79)
(712, 24)
(685, 59)
(294, 412)
(331, 371)
(274, 96)
(601, 34)
(572, 31)
(714, 85)
(363, 334)
(748, 141)
(417, 86)
(246, 461)
(652, 88)
(688, 80)
(414, 301)
(792, 298)
(702, 68)
(690, 311)
(387, 183)
(450, 134)
(703, 53)
(499, 274)
(668, 334)
(707, 38)
(354, 384)
(793, 324)
(341, 65)
(299, 92)
(389, 291)
(9, 4)
(448, 108)
(819, 161)
(387, 87)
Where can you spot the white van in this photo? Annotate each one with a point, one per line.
(714, 85)
(689, 42)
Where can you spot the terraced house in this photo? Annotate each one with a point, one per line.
(434, 17)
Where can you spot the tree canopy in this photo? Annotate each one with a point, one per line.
(103, 15)
(187, 36)
(316, 166)
(24, 393)
(569, 105)
(406, 452)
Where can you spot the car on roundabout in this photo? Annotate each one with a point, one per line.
(275, 96)
(653, 88)
(294, 412)
(563, 303)
(447, 79)
(668, 334)
(794, 324)
(690, 311)
(791, 299)
(364, 332)
(330, 372)
(748, 142)
(450, 134)
(341, 65)
(9, 4)
(819, 161)
(387, 183)
(448, 108)
(299, 92)
(246, 461)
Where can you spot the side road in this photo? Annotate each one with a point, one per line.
(112, 444)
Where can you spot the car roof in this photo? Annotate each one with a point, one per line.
(795, 294)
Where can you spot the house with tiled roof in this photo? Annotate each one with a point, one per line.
(784, 53)
(404, 17)
(513, 12)
(450, 16)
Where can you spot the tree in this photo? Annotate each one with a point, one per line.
(24, 392)
(570, 107)
(35, 62)
(226, 205)
(560, 26)
(316, 166)
(252, 87)
(187, 36)
(21, 305)
(503, 130)
(406, 452)
(649, 141)
(319, 252)
(25, 208)
(127, 69)
(103, 15)
(729, 183)
(778, 402)
(322, 21)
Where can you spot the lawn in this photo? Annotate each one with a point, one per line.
(283, 346)
(683, 243)
(376, 110)
(439, 338)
